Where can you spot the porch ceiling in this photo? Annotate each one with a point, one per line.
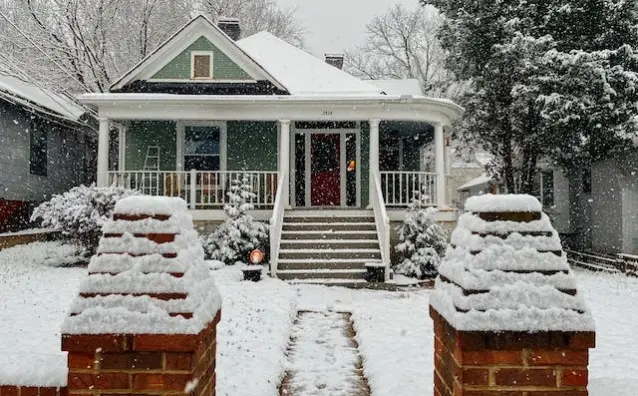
(307, 108)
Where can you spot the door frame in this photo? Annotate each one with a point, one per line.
(308, 162)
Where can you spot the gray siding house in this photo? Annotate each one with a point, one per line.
(46, 147)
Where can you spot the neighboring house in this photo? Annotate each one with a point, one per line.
(318, 144)
(45, 148)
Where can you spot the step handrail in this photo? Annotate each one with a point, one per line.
(277, 223)
(382, 222)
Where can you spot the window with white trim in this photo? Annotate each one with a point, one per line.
(201, 65)
(202, 148)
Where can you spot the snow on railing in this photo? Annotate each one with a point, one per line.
(400, 187)
(201, 189)
(277, 224)
(382, 221)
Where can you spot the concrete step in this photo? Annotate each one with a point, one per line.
(303, 235)
(329, 219)
(334, 244)
(350, 283)
(321, 274)
(330, 254)
(329, 226)
(310, 264)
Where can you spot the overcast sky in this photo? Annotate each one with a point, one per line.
(338, 25)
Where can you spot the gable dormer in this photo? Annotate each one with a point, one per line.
(200, 59)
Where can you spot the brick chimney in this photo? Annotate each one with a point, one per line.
(335, 60)
(230, 26)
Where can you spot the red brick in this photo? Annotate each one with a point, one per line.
(570, 392)
(472, 376)
(178, 361)
(82, 361)
(559, 357)
(491, 357)
(133, 361)
(48, 391)
(7, 390)
(576, 377)
(89, 343)
(525, 377)
(582, 340)
(165, 342)
(175, 382)
(492, 393)
(78, 381)
(29, 391)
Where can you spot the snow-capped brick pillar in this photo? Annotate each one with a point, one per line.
(145, 320)
(508, 317)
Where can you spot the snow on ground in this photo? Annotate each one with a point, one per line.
(394, 330)
(253, 335)
(34, 299)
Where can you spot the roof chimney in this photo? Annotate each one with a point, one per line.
(230, 26)
(335, 60)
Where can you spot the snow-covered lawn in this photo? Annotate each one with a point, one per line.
(394, 330)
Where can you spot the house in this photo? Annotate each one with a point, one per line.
(46, 148)
(333, 159)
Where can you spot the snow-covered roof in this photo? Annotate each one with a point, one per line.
(300, 72)
(481, 180)
(28, 95)
(399, 87)
(505, 271)
(149, 276)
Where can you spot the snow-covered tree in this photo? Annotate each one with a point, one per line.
(554, 79)
(422, 241)
(81, 212)
(240, 234)
(258, 15)
(402, 44)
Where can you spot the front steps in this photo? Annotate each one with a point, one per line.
(328, 248)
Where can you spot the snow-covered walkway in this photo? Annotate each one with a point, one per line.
(323, 357)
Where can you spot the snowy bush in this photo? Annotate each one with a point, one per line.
(240, 233)
(422, 241)
(81, 212)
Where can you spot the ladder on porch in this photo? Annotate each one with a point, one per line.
(151, 180)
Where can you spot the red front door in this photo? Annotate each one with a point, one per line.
(325, 171)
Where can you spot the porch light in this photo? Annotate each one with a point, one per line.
(352, 166)
(256, 256)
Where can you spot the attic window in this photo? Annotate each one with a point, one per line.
(202, 65)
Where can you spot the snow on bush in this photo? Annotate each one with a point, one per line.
(240, 233)
(422, 241)
(81, 212)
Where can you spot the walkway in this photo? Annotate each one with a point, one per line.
(323, 358)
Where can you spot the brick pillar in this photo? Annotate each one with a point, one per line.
(145, 320)
(478, 352)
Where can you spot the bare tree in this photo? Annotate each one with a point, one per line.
(256, 16)
(401, 44)
(83, 45)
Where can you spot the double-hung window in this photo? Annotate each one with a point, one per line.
(202, 148)
(38, 150)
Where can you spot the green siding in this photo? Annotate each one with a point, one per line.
(365, 164)
(142, 134)
(252, 146)
(180, 67)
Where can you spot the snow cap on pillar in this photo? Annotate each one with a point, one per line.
(506, 271)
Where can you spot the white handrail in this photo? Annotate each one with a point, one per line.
(382, 221)
(401, 187)
(277, 224)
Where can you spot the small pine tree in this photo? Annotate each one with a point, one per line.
(422, 241)
(240, 233)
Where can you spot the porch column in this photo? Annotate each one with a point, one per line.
(439, 149)
(103, 153)
(284, 157)
(374, 153)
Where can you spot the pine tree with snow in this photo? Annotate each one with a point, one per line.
(240, 234)
(422, 241)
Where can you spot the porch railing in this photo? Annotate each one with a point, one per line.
(400, 188)
(202, 190)
(382, 221)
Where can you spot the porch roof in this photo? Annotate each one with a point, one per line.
(306, 108)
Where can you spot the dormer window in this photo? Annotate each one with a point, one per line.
(202, 65)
